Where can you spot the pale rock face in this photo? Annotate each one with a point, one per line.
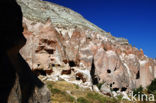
(146, 76)
(61, 39)
(105, 89)
(154, 71)
(110, 69)
(125, 96)
(133, 68)
(96, 89)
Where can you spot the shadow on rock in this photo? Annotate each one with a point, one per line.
(17, 82)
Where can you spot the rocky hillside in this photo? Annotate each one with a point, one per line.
(61, 44)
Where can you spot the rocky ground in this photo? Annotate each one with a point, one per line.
(62, 45)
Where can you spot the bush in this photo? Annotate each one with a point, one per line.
(70, 98)
(82, 100)
(99, 85)
(152, 87)
(138, 90)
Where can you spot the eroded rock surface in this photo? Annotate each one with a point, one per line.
(60, 39)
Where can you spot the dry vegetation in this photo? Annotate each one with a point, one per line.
(64, 92)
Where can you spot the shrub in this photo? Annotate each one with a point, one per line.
(138, 90)
(152, 87)
(99, 85)
(70, 98)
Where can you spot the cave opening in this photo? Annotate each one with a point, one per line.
(38, 72)
(108, 71)
(72, 64)
(123, 89)
(138, 75)
(111, 85)
(49, 51)
(115, 89)
(115, 69)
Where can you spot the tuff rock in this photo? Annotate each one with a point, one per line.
(18, 83)
(60, 39)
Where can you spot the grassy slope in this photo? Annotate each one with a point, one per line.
(64, 92)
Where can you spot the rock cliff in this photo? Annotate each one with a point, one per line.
(61, 44)
(18, 82)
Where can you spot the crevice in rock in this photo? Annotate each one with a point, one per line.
(138, 75)
(92, 73)
(115, 69)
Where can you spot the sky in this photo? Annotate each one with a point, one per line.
(134, 20)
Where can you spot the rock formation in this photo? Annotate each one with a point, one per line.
(18, 83)
(60, 39)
